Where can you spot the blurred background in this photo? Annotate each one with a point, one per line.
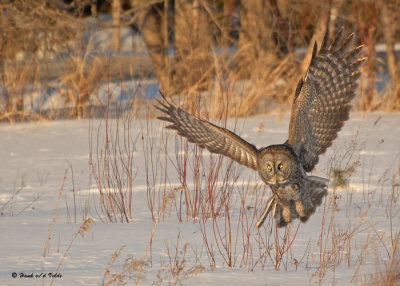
(67, 59)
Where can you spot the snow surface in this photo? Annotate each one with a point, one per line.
(37, 155)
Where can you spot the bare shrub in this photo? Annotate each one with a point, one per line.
(112, 148)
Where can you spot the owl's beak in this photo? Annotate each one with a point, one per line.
(276, 179)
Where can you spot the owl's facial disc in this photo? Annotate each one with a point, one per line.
(276, 167)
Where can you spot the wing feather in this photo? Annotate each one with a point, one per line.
(322, 98)
(207, 135)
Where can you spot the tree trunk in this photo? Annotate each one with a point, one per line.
(388, 32)
(255, 35)
(367, 100)
(150, 20)
(367, 12)
(116, 20)
(318, 36)
(192, 67)
(264, 33)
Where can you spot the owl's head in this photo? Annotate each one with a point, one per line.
(276, 164)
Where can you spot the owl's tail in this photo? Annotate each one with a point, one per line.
(315, 189)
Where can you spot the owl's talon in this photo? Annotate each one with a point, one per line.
(303, 219)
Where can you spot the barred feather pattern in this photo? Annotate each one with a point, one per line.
(322, 99)
(207, 135)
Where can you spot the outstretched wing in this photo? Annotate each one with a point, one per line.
(205, 134)
(322, 99)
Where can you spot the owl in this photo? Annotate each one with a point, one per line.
(320, 106)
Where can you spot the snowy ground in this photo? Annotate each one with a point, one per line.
(356, 237)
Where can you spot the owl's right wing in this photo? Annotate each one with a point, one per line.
(207, 135)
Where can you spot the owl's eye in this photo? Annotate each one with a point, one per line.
(280, 166)
(269, 167)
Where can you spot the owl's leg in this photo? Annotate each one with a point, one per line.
(279, 218)
(311, 197)
(305, 207)
(286, 214)
(301, 210)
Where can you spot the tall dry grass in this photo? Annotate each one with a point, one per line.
(249, 50)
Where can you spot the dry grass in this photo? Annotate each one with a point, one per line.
(42, 46)
(387, 268)
(49, 236)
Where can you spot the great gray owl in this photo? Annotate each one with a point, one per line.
(321, 105)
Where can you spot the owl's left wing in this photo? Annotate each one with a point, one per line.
(207, 135)
(322, 99)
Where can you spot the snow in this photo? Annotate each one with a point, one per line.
(37, 155)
